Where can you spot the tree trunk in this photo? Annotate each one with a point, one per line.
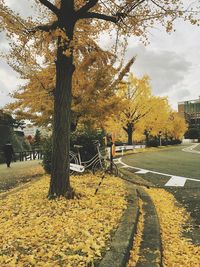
(60, 183)
(147, 138)
(130, 134)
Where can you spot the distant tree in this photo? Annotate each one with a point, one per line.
(136, 103)
(155, 121)
(37, 139)
(7, 131)
(176, 126)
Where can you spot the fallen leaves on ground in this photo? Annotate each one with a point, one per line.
(177, 250)
(37, 232)
(134, 253)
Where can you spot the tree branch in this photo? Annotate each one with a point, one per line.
(86, 7)
(125, 129)
(45, 28)
(90, 15)
(50, 6)
(161, 7)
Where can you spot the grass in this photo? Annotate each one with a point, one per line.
(20, 172)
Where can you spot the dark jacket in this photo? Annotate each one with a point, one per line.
(8, 150)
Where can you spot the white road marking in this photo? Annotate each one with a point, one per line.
(176, 181)
(173, 181)
(191, 149)
(142, 171)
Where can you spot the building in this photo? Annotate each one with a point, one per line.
(31, 131)
(190, 110)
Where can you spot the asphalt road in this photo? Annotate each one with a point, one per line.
(173, 163)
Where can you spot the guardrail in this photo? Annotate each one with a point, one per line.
(128, 147)
(124, 148)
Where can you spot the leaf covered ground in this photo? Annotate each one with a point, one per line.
(177, 250)
(37, 232)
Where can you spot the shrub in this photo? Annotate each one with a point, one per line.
(83, 138)
(46, 162)
(192, 133)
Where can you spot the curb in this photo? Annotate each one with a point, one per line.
(133, 178)
(150, 254)
(20, 187)
(121, 243)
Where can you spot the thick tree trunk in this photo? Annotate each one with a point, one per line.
(60, 183)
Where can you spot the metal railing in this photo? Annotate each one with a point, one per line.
(26, 155)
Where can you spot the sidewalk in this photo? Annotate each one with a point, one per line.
(19, 173)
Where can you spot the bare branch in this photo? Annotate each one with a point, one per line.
(45, 28)
(50, 6)
(124, 71)
(161, 7)
(86, 7)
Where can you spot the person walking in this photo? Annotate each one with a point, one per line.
(8, 153)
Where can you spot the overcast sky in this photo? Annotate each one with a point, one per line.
(172, 62)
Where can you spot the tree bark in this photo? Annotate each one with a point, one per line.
(60, 182)
(147, 138)
(130, 133)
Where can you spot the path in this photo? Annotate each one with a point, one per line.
(20, 172)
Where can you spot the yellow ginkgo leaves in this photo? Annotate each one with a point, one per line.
(177, 250)
(37, 232)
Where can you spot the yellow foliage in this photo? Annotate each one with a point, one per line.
(161, 119)
(134, 254)
(177, 250)
(37, 232)
(135, 103)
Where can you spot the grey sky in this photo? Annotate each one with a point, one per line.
(172, 62)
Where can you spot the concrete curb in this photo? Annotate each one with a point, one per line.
(128, 176)
(121, 244)
(151, 247)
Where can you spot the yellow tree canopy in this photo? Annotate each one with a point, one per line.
(176, 126)
(156, 120)
(93, 91)
(136, 102)
(161, 121)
